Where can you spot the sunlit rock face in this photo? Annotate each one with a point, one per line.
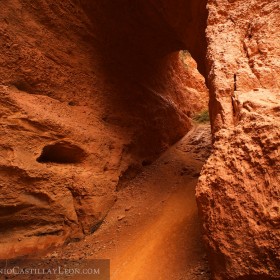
(238, 193)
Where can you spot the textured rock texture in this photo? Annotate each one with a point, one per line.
(89, 90)
(239, 190)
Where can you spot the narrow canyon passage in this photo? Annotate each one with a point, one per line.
(93, 93)
(153, 230)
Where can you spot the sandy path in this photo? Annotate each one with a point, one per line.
(153, 231)
(167, 246)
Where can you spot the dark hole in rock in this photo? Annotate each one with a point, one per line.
(22, 85)
(146, 162)
(62, 152)
(72, 103)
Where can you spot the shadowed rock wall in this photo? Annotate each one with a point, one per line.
(89, 90)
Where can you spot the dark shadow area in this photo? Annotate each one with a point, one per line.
(136, 47)
(62, 152)
(132, 33)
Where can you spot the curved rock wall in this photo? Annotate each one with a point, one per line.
(89, 89)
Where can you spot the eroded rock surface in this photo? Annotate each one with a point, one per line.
(105, 82)
(88, 90)
(238, 193)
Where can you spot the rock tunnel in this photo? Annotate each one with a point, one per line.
(121, 81)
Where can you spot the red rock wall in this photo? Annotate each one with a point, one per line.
(102, 81)
(238, 193)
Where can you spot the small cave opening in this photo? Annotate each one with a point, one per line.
(62, 152)
(22, 85)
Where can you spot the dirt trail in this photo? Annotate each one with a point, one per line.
(152, 232)
(164, 248)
